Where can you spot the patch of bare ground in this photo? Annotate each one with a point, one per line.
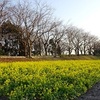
(92, 94)
(3, 98)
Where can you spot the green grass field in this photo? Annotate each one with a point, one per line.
(48, 80)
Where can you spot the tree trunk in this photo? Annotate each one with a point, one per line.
(45, 51)
(29, 50)
(81, 52)
(84, 51)
(77, 52)
(25, 51)
(69, 51)
(55, 52)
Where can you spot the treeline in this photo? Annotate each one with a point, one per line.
(31, 29)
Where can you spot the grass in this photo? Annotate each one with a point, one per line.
(48, 58)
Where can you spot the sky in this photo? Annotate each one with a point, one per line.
(84, 14)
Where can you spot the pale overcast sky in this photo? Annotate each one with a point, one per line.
(84, 14)
(81, 13)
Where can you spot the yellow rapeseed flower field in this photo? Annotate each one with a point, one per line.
(48, 80)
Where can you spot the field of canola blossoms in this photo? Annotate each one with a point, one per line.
(48, 80)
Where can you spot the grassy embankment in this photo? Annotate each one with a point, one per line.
(48, 58)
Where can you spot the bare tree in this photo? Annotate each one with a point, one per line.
(49, 34)
(3, 10)
(32, 22)
(91, 43)
(96, 51)
(77, 41)
(84, 46)
(4, 5)
(73, 38)
(38, 30)
(57, 36)
(69, 37)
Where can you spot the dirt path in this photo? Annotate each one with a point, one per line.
(92, 94)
